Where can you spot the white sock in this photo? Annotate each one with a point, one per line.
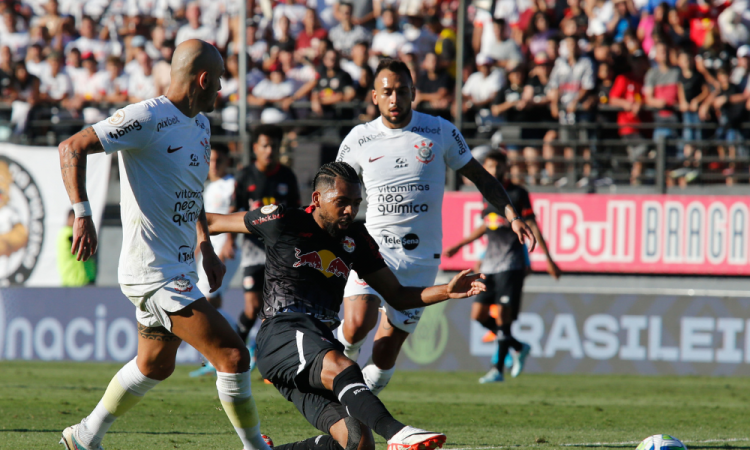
(238, 403)
(377, 379)
(351, 351)
(125, 390)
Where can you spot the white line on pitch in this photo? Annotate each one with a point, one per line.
(708, 441)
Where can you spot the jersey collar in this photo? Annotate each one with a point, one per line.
(381, 126)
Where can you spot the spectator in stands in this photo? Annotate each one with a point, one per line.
(141, 84)
(163, 67)
(84, 83)
(421, 36)
(510, 106)
(6, 60)
(741, 70)
(194, 29)
(538, 33)
(137, 45)
(346, 34)
(575, 15)
(66, 33)
(89, 42)
(334, 86)
(112, 82)
(692, 91)
(570, 84)
(359, 70)
(52, 21)
(16, 39)
(625, 18)
(56, 87)
(35, 63)
(729, 107)
(283, 39)
(626, 95)
(713, 55)
(389, 40)
(434, 86)
(537, 110)
(599, 101)
(678, 33)
(479, 91)
(309, 36)
(650, 23)
(22, 92)
(505, 51)
(660, 91)
(274, 89)
(600, 13)
(294, 12)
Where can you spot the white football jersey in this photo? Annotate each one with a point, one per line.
(404, 175)
(219, 197)
(164, 159)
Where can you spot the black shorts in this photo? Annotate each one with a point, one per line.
(253, 278)
(288, 345)
(505, 289)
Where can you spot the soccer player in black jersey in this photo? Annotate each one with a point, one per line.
(505, 265)
(310, 253)
(262, 183)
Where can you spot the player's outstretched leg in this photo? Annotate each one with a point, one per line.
(360, 316)
(157, 349)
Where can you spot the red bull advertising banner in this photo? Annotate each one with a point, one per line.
(664, 234)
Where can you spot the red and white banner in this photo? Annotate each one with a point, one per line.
(666, 234)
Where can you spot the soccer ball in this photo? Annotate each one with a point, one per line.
(661, 442)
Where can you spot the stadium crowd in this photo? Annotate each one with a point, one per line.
(655, 69)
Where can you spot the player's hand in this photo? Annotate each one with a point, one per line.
(85, 241)
(450, 251)
(212, 265)
(228, 251)
(553, 270)
(524, 232)
(464, 285)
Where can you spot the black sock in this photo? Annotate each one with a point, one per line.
(323, 442)
(514, 343)
(503, 346)
(489, 323)
(363, 405)
(244, 325)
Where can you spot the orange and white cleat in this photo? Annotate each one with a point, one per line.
(410, 438)
(268, 440)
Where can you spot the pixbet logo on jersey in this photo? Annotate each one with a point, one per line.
(324, 261)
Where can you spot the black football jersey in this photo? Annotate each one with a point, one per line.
(256, 189)
(504, 251)
(306, 268)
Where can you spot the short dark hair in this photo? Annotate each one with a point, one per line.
(394, 65)
(327, 174)
(497, 155)
(272, 131)
(221, 149)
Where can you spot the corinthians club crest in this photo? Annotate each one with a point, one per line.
(424, 152)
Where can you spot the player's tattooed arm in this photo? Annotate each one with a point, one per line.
(156, 334)
(73, 153)
(495, 194)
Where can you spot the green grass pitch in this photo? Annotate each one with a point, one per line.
(39, 399)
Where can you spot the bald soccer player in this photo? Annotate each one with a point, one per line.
(164, 146)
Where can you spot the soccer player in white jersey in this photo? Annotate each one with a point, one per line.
(218, 198)
(402, 157)
(164, 157)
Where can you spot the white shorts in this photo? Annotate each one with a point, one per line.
(232, 266)
(408, 274)
(153, 301)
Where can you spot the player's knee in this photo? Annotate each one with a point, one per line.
(233, 360)
(156, 369)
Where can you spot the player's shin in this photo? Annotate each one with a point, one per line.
(126, 389)
(362, 404)
(376, 378)
(238, 403)
(351, 350)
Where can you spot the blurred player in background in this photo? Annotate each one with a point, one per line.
(505, 263)
(264, 182)
(219, 198)
(402, 157)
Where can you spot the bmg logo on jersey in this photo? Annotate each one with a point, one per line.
(125, 129)
(324, 261)
(459, 141)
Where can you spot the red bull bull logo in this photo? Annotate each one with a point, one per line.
(494, 221)
(348, 244)
(324, 261)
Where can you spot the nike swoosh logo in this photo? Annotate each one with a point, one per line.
(172, 150)
(375, 159)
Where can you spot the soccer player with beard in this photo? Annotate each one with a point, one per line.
(402, 157)
(164, 151)
(310, 254)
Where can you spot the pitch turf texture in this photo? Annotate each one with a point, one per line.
(39, 399)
